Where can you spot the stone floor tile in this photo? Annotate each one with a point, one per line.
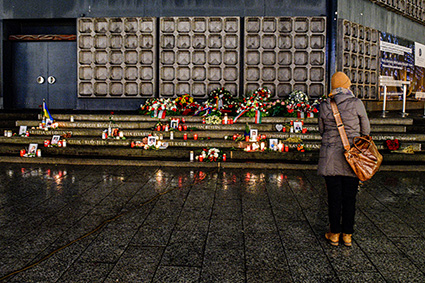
(256, 274)
(350, 277)
(174, 274)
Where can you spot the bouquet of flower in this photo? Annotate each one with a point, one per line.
(392, 144)
(297, 101)
(213, 119)
(186, 104)
(255, 101)
(221, 99)
(276, 108)
(212, 154)
(158, 104)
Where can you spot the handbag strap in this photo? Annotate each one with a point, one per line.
(340, 125)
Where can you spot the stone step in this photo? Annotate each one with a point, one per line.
(100, 126)
(250, 120)
(174, 154)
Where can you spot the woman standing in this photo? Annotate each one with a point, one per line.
(341, 182)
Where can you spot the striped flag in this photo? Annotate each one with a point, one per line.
(257, 117)
(161, 114)
(240, 114)
(46, 113)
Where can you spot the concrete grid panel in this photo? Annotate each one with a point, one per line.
(358, 57)
(116, 57)
(198, 55)
(285, 54)
(413, 9)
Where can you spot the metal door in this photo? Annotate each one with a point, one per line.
(44, 70)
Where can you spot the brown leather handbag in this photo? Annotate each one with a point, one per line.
(363, 157)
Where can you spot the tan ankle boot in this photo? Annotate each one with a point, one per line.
(333, 238)
(346, 238)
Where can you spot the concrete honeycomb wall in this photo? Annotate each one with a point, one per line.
(413, 9)
(358, 56)
(199, 54)
(116, 57)
(285, 54)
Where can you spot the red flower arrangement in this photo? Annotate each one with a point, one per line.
(392, 144)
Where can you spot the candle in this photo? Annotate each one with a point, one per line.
(231, 121)
(185, 136)
(262, 146)
(225, 120)
(203, 120)
(132, 144)
(195, 137)
(183, 120)
(286, 148)
(180, 127)
(166, 128)
(185, 127)
(246, 138)
(191, 156)
(46, 143)
(121, 134)
(263, 137)
(158, 128)
(284, 129)
(234, 137)
(201, 158)
(224, 157)
(248, 148)
(304, 130)
(171, 135)
(280, 146)
(22, 152)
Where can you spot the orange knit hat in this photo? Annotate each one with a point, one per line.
(339, 79)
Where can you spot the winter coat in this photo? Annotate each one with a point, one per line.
(353, 114)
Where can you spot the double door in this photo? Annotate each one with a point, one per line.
(44, 70)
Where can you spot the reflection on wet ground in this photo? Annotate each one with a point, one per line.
(202, 225)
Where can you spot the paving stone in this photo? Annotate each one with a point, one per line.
(227, 225)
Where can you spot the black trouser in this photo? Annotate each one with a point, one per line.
(342, 191)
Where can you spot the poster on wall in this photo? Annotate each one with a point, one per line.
(402, 60)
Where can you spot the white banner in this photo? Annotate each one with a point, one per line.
(419, 55)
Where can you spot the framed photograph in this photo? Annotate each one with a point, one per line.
(273, 144)
(298, 126)
(151, 141)
(174, 124)
(22, 130)
(55, 139)
(253, 134)
(32, 149)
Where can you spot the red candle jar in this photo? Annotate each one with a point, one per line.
(224, 157)
(203, 120)
(286, 148)
(246, 138)
(183, 120)
(284, 129)
(234, 137)
(59, 143)
(231, 121)
(158, 128)
(132, 144)
(180, 127)
(163, 127)
(46, 143)
(201, 158)
(195, 137)
(304, 130)
(185, 127)
(22, 152)
(263, 137)
(185, 136)
(223, 122)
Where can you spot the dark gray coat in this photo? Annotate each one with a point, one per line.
(353, 114)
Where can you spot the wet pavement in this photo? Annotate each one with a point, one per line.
(72, 223)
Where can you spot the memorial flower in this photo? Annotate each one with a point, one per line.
(255, 102)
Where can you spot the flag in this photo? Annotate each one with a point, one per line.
(46, 113)
(240, 114)
(257, 117)
(161, 114)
